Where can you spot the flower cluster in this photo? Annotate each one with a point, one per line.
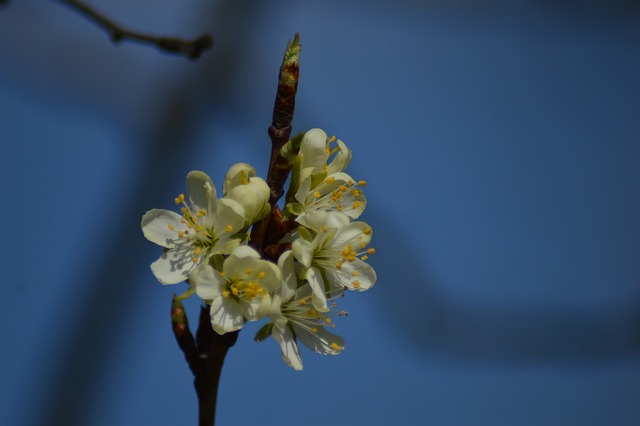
(320, 247)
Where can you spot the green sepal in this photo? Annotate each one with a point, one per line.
(295, 209)
(304, 233)
(187, 294)
(264, 332)
(216, 261)
(318, 178)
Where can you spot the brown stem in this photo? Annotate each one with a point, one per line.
(205, 356)
(279, 132)
(191, 48)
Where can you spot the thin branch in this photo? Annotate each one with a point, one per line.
(205, 356)
(191, 48)
(279, 132)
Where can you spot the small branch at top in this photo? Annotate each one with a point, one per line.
(190, 48)
(279, 132)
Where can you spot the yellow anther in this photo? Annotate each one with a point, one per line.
(355, 192)
(338, 265)
(179, 199)
(303, 302)
(327, 320)
(371, 250)
(260, 291)
(362, 182)
(356, 284)
(314, 329)
(261, 275)
(325, 229)
(355, 273)
(339, 207)
(197, 250)
(335, 346)
(221, 273)
(317, 194)
(356, 204)
(184, 211)
(199, 228)
(248, 271)
(363, 245)
(235, 291)
(170, 227)
(325, 168)
(201, 213)
(343, 188)
(367, 231)
(228, 228)
(180, 234)
(194, 259)
(365, 257)
(225, 293)
(332, 139)
(330, 179)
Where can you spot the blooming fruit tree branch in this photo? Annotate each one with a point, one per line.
(249, 260)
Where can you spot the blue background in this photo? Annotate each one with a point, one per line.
(501, 145)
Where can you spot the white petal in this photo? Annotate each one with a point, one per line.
(230, 217)
(206, 281)
(354, 272)
(288, 347)
(200, 191)
(321, 342)
(226, 315)
(238, 174)
(155, 227)
(313, 150)
(174, 265)
(317, 220)
(303, 251)
(289, 279)
(341, 160)
(356, 234)
(245, 251)
(318, 298)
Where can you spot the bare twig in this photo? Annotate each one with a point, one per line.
(279, 132)
(191, 48)
(205, 357)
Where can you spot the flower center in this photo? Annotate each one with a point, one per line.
(200, 236)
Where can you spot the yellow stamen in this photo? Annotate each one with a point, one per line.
(228, 228)
(317, 194)
(179, 199)
(356, 284)
(170, 227)
(330, 179)
(362, 182)
(371, 250)
(335, 346)
(261, 275)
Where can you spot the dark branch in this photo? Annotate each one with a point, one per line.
(205, 356)
(193, 48)
(279, 132)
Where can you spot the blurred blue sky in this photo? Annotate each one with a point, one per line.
(500, 141)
